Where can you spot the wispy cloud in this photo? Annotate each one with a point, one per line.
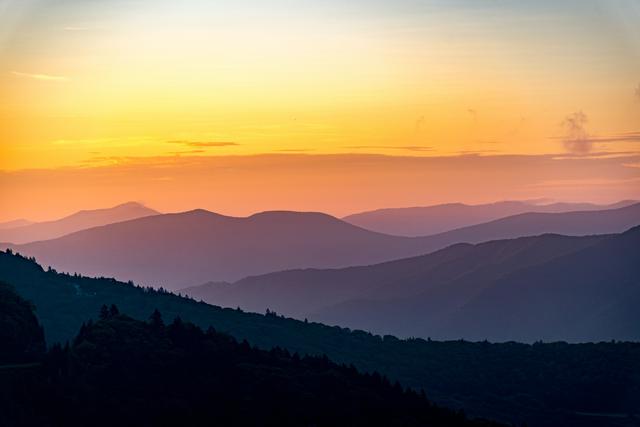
(596, 155)
(620, 137)
(295, 150)
(585, 182)
(45, 77)
(205, 144)
(637, 93)
(576, 139)
(476, 152)
(588, 140)
(178, 153)
(417, 148)
(106, 161)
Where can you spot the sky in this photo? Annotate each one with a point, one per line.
(247, 105)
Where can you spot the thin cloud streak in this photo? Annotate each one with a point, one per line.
(476, 152)
(619, 137)
(43, 77)
(622, 137)
(205, 144)
(179, 153)
(418, 148)
(295, 150)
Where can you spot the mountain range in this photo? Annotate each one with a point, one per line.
(177, 250)
(22, 231)
(427, 220)
(15, 223)
(544, 384)
(190, 248)
(547, 287)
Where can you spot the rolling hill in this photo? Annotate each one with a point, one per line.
(548, 287)
(427, 220)
(575, 223)
(31, 232)
(191, 248)
(177, 250)
(15, 223)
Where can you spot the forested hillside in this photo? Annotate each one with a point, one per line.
(542, 384)
(123, 371)
(21, 337)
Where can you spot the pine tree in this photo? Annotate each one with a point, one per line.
(104, 312)
(156, 319)
(113, 311)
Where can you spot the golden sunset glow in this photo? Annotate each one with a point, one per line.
(111, 86)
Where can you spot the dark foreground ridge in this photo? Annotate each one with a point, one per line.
(21, 337)
(544, 384)
(124, 371)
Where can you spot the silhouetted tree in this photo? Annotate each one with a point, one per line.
(104, 312)
(113, 310)
(156, 319)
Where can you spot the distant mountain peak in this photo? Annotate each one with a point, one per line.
(20, 222)
(198, 211)
(120, 207)
(430, 220)
(131, 204)
(77, 221)
(278, 214)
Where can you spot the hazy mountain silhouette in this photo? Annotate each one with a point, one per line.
(190, 248)
(15, 223)
(589, 295)
(176, 250)
(426, 220)
(548, 287)
(23, 233)
(301, 293)
(575, 223)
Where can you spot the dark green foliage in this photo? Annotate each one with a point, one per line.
(125, 372)
(542, 384)
(21, 347)
(21, 337)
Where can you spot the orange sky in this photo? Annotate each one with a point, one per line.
(204, 104)
(338, 184)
